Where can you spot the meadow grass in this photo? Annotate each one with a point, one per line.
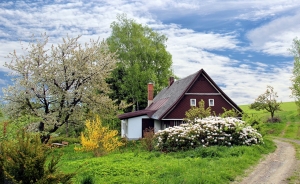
(289, 125)
(215, 164)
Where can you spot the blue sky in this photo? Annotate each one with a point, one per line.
(242, 45)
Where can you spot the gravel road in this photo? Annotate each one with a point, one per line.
(276, 167)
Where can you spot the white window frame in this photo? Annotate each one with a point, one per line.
(193, 102)
(211, 102)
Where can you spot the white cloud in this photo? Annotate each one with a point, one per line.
(242, 79)
(275, 38)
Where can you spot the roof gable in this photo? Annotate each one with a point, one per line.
(179, 88)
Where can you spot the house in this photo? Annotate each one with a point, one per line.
(169, 105)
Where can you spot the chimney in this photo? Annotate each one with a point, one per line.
(150, 93)
(171, 80)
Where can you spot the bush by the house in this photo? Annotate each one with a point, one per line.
(98, 138)
(207, 132)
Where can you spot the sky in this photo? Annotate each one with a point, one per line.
(243, 45)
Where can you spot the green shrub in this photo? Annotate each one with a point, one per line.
(24, 162)
(253, 120)
(147, 141)
(87, 180)
(230, 113)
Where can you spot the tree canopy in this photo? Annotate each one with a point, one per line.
(60, 84)
(267, 101)
(143, 58)
(295, 50)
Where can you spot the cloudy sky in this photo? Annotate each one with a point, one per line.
(243, 45)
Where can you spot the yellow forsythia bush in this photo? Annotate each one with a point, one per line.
(98, 138)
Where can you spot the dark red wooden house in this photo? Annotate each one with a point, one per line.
(169, 105)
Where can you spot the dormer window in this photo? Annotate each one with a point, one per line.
(211, 102)
(193, 102)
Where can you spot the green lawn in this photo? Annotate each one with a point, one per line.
(134, 165)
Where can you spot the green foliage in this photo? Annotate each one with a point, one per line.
(87, 180)
(267, 101)
(143, 59)
(295, 50)
(197, 112)
(9, 128)
(24, 161)
(252, 120)
(229, 113)
(2, 161)
(148, 140)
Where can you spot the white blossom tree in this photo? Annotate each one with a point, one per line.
(60, 84)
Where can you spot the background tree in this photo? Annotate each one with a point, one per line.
(143, 59)
(61, 84)
(295, 50)
(267, 101)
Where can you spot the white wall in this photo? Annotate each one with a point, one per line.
(135, 127)
(157, 126)
(124, 128)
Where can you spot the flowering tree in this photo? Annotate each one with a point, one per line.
(60, 84)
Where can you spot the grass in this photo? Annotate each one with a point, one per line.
(134, 165)
(288, 127)
(203, 165)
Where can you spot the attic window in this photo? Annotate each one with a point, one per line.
(211, 102)
(193, 102)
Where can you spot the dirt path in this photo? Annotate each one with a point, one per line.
(275, 168)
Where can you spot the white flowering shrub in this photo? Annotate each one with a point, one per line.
(207, 132)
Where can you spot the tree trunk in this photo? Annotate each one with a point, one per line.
(272, 116)
(67, 129)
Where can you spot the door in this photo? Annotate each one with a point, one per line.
(147, 124)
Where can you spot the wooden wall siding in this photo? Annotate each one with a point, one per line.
(184, 105)
(202, 85)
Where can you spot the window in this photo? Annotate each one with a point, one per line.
(177, 123)
(193, 102)
(211, 102)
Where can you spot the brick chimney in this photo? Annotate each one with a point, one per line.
(171, 80)
(150, 93)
